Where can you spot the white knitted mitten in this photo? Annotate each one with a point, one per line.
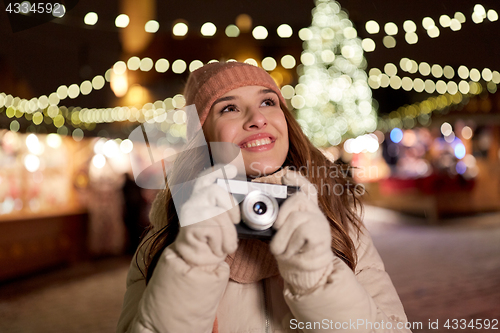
(302, 243)
(207, 243)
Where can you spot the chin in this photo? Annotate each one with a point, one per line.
(257, 169)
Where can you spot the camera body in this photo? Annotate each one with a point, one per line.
(259, 206)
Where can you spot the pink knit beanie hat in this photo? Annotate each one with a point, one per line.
(206, 84)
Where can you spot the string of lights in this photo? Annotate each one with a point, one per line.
(172, 120)
(389, 77)
(478, 16)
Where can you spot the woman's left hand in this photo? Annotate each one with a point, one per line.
(302, 243)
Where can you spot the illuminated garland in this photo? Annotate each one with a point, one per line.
(455, 24)
(407, 116)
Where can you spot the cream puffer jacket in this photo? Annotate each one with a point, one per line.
(184, 299)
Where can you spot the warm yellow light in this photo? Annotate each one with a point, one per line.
(455, 25)
(269, 64)
(208, 29)
(407, 83)
(73, 91)
(232, 31)
(53, 140)
(288, 61)
(368, 45)
(411, 38)
(194, 65)
(395, 82)
(430, 86)
(446, 129)
(37, 118)
(460, 17)
(492, 15)
(441, 87)
(86, 87)
(350, 33)
(180, 29)
(98, 82)
(409, 26)
(146, 64)
(327, 56)
(496, 77)
(284, 31)
(437, 71)
(463, 87)
(126, 146)
(307, 58)
(372, 27)
(179, 101)
(133, 63)
(389, 42)
(445, 21)
(428, 23)
(391, 28)
(119, 67)
(288, 91)
(424, 68)
(390, 69)
(475, 75)
(305, 34)
(433, 32)
(480, 11)
(452, 88)
(449, 72)
(52, 111)
(466, 132)
(374, 72)
(152, 26)
(418, 85)
(463, 72)
(244, 22)
(487, 74)
(90, 18)
(179, 66)
(162, 65)
(251, 61)
(122, 21)
(62, 92)
(119, 84)
(259, 32)
(477, 18)
(384, 80)
(298, 102)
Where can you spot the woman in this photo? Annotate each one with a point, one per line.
(320, 272)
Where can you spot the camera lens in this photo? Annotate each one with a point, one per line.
(259, 208)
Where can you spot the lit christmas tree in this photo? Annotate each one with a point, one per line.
(333, 99)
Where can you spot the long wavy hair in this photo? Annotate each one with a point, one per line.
(340, 202)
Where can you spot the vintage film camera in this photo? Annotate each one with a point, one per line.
(259, 206)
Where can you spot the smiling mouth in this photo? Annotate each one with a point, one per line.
(257, 143)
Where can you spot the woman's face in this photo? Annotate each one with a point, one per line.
(251, 118)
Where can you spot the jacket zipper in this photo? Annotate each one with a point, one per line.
(266, 307)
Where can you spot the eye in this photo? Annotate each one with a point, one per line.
(268, 102)
(229, 108)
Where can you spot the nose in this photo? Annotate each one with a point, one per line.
(255, 119)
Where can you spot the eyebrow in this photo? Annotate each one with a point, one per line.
(230, 98)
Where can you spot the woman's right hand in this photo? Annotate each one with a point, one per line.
(207, 233)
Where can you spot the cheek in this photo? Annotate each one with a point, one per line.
(224, 131)
(281, 125)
